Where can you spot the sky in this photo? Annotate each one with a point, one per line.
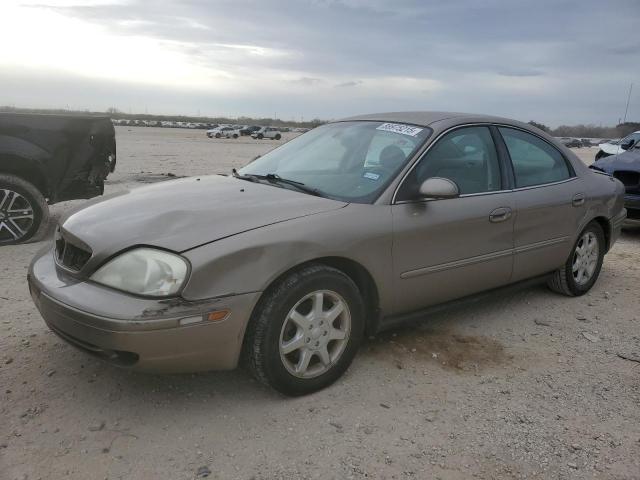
(552, 61)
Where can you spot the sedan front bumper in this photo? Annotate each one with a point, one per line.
(149, 335)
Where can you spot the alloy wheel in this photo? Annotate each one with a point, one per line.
(16, 216)
(585, 258)
(315, 334)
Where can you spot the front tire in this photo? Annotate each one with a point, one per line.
(23, 210)
(305, 331)
(260, 136)
(583, 266)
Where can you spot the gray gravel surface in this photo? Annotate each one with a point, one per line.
(528, 384)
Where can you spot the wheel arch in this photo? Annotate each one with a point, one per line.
(352, 269)
(26, 169)
(605, 224)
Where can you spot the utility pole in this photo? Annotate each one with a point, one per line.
(628, 99)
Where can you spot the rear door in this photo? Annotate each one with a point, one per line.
(550, 203)
(446, 249)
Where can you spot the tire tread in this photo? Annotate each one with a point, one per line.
(252, 356)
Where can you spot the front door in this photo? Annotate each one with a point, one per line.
(450, 248)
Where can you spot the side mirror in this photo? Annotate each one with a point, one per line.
(437, 187)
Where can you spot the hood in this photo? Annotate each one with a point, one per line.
(629, 160)
(610, 148)
(179, 215)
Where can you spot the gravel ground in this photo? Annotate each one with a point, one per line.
(525, 385)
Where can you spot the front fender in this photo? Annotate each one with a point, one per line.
(251, 261)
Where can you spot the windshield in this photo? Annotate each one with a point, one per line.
(348, 161)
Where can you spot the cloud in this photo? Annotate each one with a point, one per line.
(543, 60)
(307, 81)
(523, 72)
(352, 83)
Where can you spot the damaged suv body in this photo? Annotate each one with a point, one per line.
(46, 159)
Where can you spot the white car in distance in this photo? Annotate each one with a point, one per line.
(267, 132)
(618, 146)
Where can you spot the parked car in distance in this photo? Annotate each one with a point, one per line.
(220, 131)
(232, 132)
(625, 167)
(347, 230)
(212, 131)
(267, 132)
(571, 142)
(45, 159)
(249, 129)
(614, 147)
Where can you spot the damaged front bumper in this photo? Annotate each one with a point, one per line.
(152, 335)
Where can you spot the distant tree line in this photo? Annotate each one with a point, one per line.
(118, 115)
(578, 131)
(589, 131)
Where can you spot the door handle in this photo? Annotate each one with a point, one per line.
(578, 200)
(500, 215)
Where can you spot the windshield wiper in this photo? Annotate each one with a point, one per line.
(275, 178)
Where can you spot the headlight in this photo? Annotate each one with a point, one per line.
(144, 271)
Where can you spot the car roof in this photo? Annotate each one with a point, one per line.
(427, 118)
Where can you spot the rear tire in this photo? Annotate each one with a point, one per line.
(583, 266)
(278, 136)
(305, 331)
(23, 210)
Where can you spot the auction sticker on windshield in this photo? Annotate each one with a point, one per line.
(400, 128)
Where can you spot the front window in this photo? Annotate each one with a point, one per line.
(348, 161)
(467, 156)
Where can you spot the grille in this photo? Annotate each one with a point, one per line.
(71, 256)
(629, 179)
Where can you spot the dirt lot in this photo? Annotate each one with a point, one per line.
(525, 385)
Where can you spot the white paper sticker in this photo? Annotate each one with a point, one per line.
(400, 128)
(371, 175)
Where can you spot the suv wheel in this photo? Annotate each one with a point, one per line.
(22, 210)
(278, 136)
(581, 270)
(305, 331)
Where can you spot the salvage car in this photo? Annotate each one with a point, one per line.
(46, 159)
(626, 168)
(267, 132)
(249, 129)
(571, 142)
(344, 231)
(614, 147)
